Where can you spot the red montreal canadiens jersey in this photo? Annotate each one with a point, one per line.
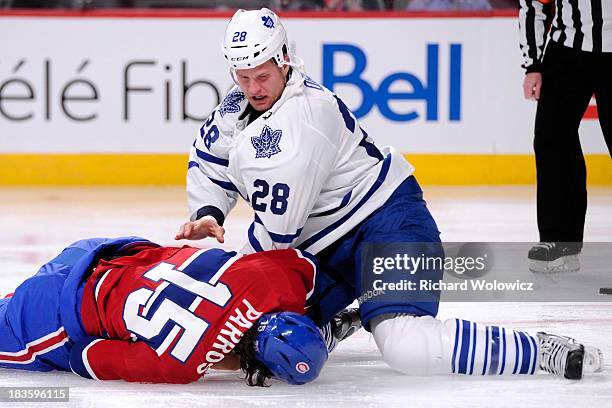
(168, 314)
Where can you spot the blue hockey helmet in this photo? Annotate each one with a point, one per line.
(291, 346)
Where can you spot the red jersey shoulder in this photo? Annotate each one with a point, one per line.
(285, 266)
(152, 256)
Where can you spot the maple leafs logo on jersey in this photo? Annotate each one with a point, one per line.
(231, 103)
(266, 144)
(268, 22)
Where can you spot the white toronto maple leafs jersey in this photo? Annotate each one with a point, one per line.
(306, 167)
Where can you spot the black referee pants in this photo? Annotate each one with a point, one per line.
(569, 79)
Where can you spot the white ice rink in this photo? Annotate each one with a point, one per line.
(37, 223)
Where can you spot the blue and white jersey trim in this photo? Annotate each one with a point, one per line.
(210, 158)
(324, 232)
(224, 184)
(280, 238)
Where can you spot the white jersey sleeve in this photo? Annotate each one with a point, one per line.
(209, 189)
(284, 187)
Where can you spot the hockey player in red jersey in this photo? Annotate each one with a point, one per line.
(130, 309)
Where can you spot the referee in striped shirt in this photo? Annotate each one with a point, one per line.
(576, 65)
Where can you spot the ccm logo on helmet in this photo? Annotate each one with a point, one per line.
(302, 367)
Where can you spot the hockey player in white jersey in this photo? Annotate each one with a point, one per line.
(316, 181)
(292, 149)
(288, 146)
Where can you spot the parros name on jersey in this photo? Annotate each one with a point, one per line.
(240, 321)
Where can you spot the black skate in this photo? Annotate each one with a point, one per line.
(564, 356)
(554, 257)
(346, 323)
(342, 326)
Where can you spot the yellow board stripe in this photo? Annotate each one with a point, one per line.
(92, 169)
(475, 169)
(170, 169)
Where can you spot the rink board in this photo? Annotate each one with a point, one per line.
(116, 87)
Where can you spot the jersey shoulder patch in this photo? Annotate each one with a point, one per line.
(231, 103)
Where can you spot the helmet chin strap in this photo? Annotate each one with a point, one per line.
(298, 64)
(233, 75)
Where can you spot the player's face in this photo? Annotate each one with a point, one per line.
(263, 85)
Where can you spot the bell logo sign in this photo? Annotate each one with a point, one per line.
(423, 89)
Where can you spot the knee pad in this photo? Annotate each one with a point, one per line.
(414, 345)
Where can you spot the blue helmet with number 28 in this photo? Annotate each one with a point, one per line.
(291, 346)
(254, 37)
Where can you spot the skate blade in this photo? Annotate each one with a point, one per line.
(568, 263)
(593, 360)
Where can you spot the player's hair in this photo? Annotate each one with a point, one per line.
(256, 373)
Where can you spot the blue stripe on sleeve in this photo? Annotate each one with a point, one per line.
(370, 148)
(253, 240)
(211, 159)
(280, 238)
(285, 239)
(224, 184)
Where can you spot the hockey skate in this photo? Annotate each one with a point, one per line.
(554, 257)
(346, 323)
(564, 356)
(342, 326)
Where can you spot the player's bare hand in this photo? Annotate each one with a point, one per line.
(532, 85)
(202, 228)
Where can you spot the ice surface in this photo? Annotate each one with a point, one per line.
(36, 223)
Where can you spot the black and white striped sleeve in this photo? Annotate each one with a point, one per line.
(534, 17)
